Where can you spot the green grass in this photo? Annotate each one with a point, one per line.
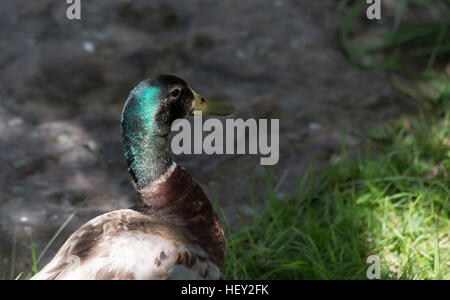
(405, 46)
(391, 202)
(394, 205)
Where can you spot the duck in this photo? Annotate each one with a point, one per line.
(173, 231)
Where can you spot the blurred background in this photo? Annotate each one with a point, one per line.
(342, 86)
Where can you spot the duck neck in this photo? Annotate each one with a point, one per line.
(147, 154)
(148, 160)
(145, 139)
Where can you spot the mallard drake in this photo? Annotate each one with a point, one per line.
(173, 231)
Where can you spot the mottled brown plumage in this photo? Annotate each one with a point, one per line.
(88, 253)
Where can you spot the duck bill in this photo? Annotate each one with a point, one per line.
(211, 108)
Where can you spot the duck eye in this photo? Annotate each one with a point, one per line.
(175, 93)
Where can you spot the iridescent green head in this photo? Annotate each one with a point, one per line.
(147, 117)
(155, 103)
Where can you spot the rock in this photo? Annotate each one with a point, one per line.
(15, 122)
(314, 126)
(89, 46)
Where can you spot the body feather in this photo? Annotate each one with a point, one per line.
(127, 244)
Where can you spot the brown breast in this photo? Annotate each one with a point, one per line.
(182, 200)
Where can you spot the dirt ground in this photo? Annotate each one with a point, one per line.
(63, 84)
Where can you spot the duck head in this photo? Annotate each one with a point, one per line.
(155, 103)
(151, 108)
